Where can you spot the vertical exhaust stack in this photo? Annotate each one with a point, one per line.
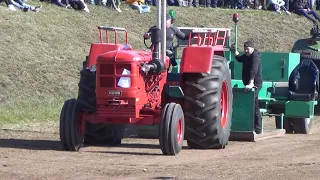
(158, 34)
(235, 19)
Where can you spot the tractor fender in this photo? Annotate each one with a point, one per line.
(198, 59)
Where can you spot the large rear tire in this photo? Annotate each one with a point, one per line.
(71, 126)
(208, 106)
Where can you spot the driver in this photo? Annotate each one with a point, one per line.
(171, 32)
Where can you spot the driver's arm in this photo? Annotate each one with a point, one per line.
(180, 35)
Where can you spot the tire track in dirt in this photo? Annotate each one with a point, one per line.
(38, 156)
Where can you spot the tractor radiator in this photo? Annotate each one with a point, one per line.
(109, 74)
(125, 111)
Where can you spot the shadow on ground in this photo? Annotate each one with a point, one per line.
(31, 144)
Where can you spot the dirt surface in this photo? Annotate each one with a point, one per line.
(32, 155)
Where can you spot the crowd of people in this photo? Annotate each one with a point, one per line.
(305, 8)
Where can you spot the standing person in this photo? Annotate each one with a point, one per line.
(252, 76)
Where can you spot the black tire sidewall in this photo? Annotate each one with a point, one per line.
(176, 115)
(225, 132)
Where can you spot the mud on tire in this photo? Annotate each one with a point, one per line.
(205, 126)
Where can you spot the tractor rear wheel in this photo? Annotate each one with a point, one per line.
(71, 126)
(171, 129)
(301, 125)
(96, 134)
(208, 106)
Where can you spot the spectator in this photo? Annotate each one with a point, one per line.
(9, 4)
(79, 5)
(72, 4)
(192, 3)
(212, 3)
(25, 7)
(302, 8)
(139, 5)
(239, 4)
(277, 6)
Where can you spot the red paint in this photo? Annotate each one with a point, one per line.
(105, 119)
(224, 104)
(197, 59)
(100, 48)
(180, 130)
(139, 104)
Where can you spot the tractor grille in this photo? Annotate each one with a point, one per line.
(106, 69)
(117, 111)
(109, 74)
(106, 82)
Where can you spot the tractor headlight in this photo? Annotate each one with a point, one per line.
(93, 68)
(125, 82)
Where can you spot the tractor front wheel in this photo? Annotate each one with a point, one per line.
(208, 106)
(72, 127)
(171, 133)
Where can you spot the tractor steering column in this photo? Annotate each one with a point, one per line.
(156, 65)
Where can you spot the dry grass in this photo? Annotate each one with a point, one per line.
(41, 53)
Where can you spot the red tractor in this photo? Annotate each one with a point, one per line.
(120, 86)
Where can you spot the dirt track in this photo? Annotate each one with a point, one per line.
(28, 155)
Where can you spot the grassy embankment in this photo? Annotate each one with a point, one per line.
(41, 53)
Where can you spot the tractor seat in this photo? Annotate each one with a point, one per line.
(304, 81)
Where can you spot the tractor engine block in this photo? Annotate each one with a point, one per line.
(153, 90)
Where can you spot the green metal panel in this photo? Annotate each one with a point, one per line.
(175, 92)
(176, 69)
(272, 69)
(243, 110)
(300, 108)
(265, 92)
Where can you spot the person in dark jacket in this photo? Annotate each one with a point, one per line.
(171, 32)
(72, 4)
(252, 76)
(302, 8)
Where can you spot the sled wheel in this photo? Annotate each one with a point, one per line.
(301, 125)
(72, 126)
(171, 133)
(287, 124)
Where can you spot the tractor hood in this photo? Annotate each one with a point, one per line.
(125, 56)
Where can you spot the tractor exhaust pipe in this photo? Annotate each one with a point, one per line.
(158, 34)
